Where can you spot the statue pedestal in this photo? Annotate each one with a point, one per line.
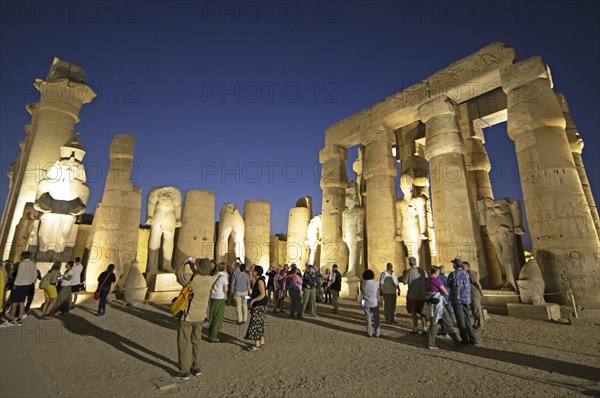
(162, 287)
(350, 287)
(495, 301)
(543, 312)
(160, 282)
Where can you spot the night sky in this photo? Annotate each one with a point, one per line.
(235, 97)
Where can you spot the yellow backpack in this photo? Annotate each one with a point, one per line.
(180, 306)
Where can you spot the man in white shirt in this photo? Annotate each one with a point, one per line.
(76, 280)
(24, 282)
(389, 286)
(218, 294)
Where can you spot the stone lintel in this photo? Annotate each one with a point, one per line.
(467, 78)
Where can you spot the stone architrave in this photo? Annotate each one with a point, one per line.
(113, 238)
(531, 284)
(53, 118)
(456, 225)
(576, 144)
(353, 220)
(334, 181)
(60, 198)
(379, 172)
(163, 214)
(196, 237)
(296, 249)
(257, 221)
(231, 228)
(22, 238)
(503, 221)
(313, 237)
(565, 242)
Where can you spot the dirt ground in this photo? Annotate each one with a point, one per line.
(120, 354)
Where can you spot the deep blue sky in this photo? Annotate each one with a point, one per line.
(211, 85)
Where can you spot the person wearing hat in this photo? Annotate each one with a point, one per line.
(189, 331)
(459, 283)
(415, 277)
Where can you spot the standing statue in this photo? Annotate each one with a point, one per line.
(503, 220)
(25, 238)
(163, 213)
(313, 237)
(61, 197)
(353, 219)
(411, 217)
(231, 224)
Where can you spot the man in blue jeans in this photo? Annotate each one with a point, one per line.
(460, 296)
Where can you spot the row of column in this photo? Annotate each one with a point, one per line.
(562, 216)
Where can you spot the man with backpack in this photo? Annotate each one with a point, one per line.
(389, 286)
(189, 332)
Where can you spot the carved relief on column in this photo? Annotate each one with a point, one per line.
(334, 181)
(564, 238)
(380, 173)
(576, 144)
(456, 225)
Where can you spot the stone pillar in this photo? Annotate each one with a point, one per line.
(480, 187)
(114, 235)
(257, 218)
(565, 242)
(576, 144)
(53, 119)
(196, 236)
(454, 215)
(334, 182)
(380, 173)
(297, 251)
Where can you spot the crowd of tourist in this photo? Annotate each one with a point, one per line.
(61, 288)
(436, 301)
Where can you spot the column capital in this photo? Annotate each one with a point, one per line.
(333, 152)
(438, 106)
(524, 72)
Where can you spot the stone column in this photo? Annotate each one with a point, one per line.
(576, 144)
(380, 174)
(334, 182)
(565, 242)
(53, 119)
(196, 236)
(257, 219)
(456, 224)
(480, 187)
(297, 251)
(114, 235)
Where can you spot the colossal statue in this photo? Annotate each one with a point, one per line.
(61, 197)
(531, 284)
(353, 219)
(163, 213)
(503, 221)
(411, 217)
(231, 224)
(313, 237)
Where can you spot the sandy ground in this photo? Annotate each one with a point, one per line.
(120, 354)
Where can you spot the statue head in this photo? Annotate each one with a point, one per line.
(352, 200)
(406, 185)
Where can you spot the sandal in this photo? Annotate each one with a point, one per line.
(255, 348)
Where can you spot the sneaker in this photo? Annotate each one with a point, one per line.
(45, 317)
(256, 348)
(195, 372)
(433, 348)
(24, 316)
(183, 376)
(6, 324)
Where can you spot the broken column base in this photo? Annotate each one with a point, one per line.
(543, 312)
